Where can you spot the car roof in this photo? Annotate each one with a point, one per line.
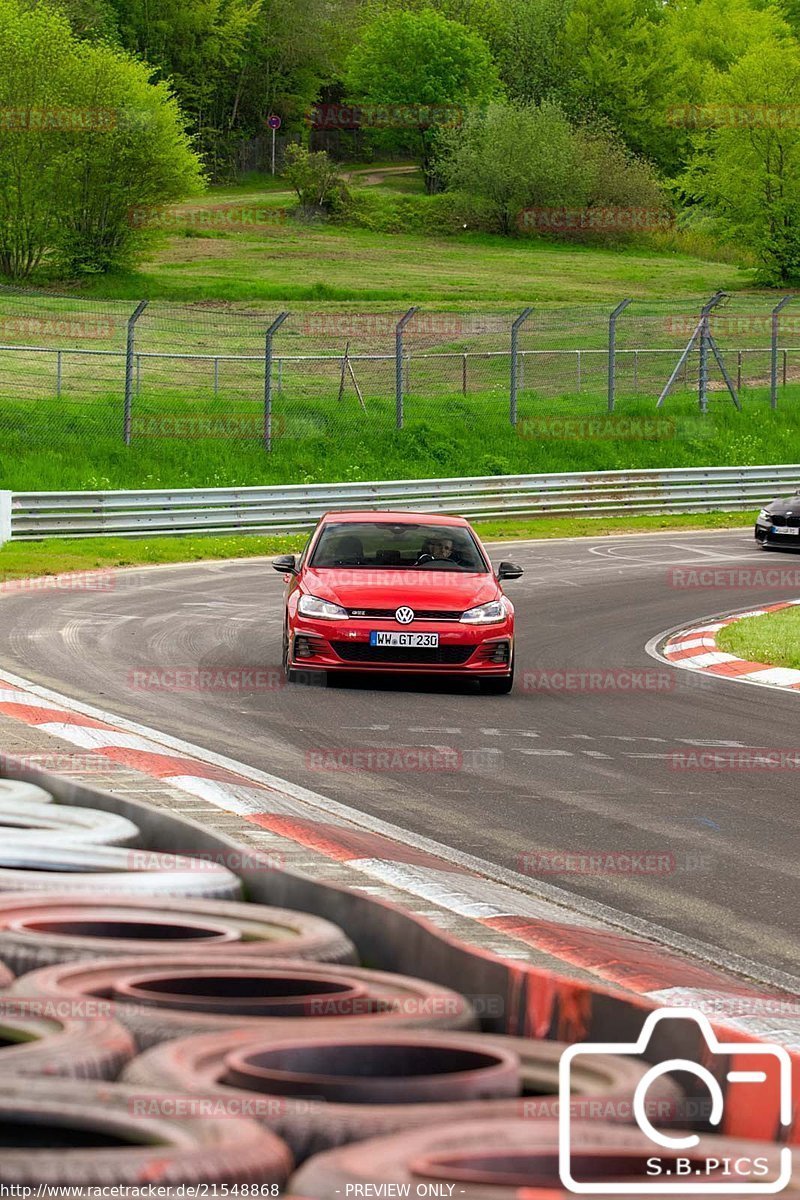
(394, 518)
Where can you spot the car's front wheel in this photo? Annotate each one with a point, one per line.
(497, 687)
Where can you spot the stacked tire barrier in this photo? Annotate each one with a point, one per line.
(158, 1026)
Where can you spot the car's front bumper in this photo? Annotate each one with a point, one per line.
(767, 532)
(480, 650)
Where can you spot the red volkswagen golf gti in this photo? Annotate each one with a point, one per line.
(398, 591)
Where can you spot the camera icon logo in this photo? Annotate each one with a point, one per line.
(669, 1170)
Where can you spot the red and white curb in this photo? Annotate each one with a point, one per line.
(610, 946)
(696, 649)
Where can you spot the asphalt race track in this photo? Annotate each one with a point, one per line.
(547, 769)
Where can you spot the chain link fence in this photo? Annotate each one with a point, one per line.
(129, 371)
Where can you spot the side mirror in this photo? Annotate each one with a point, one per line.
(286, 564)
(509, 570)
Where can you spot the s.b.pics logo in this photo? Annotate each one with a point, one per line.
(670, 1160)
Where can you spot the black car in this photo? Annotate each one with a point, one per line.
(779, 523)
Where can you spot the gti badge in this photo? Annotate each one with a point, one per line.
(404, 616)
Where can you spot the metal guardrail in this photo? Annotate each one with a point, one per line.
(26, 516)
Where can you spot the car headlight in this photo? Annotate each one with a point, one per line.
(312, 606)
(485, 614)
(763, 515)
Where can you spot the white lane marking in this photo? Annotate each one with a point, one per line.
(777, 676)
(322, 807)
(10, 696)
(707, 660)
(96, 739)
(689, 645)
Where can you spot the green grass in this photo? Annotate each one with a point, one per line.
(50, 445)
(300, 262)
(772, 639)
(54, 556)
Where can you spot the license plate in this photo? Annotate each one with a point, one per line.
(418, 641)
(793, 529)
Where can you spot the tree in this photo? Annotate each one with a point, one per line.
(514, 158)
(417, 63)
(525, 164)
(85, 139)
(613, 68)
(747, 168)
(702, 40)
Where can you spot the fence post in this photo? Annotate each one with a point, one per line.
(58, 374)
(129, 355)
(463, 375)
(515, 328)
(705, 335)
(5, 517)
(398, 364)
(773, 375)
(612, 352)
(269, 335)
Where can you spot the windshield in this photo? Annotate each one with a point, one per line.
(389, 547)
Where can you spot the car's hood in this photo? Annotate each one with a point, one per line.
(784, 506)
(420, 589)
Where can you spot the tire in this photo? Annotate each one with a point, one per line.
(500, 1160)
(496, 687)
(28, 866)
(6, 978)
(102, 1135)
(19, 791)
(77, 1040)
(38, 930)
(58, 824)
(204, 1064)
(152, 999)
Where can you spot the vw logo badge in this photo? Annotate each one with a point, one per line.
(404, 616)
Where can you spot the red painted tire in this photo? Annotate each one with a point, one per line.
(31, 866)
(38, 930)
(61, 825)
(158, 1001)
(80, 1041)
(203, 1064)
(99, 1135)
(503, 1160)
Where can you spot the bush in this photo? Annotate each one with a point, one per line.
(529, 171)
(315, 179)
(97, 149)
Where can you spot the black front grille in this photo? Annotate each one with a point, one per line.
(792, 521)
(420, 614)
(363, 652)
